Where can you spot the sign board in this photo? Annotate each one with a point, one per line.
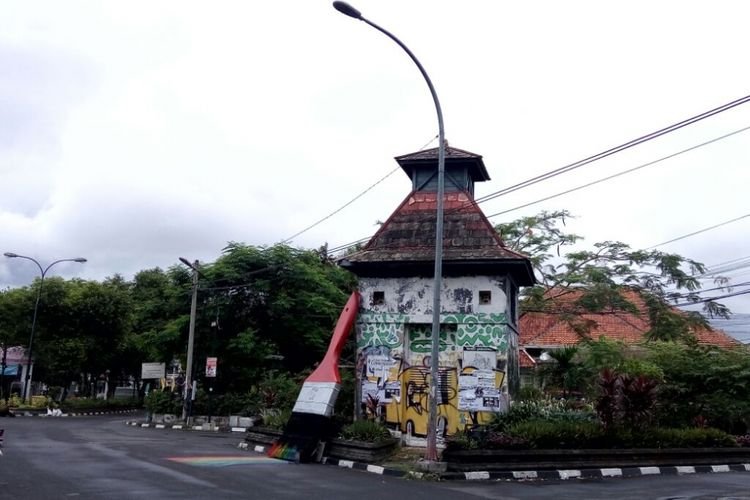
(153, 370)
(211, 367)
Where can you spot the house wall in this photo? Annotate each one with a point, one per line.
(477, 346)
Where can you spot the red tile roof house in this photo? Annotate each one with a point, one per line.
(541, 332)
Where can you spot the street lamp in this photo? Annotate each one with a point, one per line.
(188, 393)
(43, 271)
(431, 453)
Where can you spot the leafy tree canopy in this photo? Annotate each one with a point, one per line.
(596, 280)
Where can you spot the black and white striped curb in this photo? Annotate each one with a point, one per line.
(531, 475)
(74, 414)
(591, 473)
(183, 427)
(375, 469)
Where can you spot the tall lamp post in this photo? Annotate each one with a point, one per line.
(188, 396)
(431, 453)
(43, 271)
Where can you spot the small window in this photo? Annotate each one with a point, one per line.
(378, 298)
(485, 297)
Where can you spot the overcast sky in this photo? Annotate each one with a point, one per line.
(133, 133)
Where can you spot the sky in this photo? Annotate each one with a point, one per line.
(134, 133)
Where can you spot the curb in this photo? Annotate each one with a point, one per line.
(77, 414)
(523, 475)
(527, 475)
(348, 464)
(183, 427)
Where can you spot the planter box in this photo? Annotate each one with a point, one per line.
(238, 421)
(505, 460)
(163, 418)
(262, 435)
(361, 451)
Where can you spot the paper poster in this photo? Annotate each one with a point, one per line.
(379, 366)
(481, 359)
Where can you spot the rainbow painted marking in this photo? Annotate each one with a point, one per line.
(225, 460)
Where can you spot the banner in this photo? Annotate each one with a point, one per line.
(211, 367)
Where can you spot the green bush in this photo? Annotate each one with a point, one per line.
(365, 430)
(244, 404)
(163, 402)
(529, 393)
(544, 434)
(278, 390)
(463, 440)
(702, 382)
(550, 410)
(275, 419)
(681, 438)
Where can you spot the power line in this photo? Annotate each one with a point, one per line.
(700, 231)
(709, 299)
(704, 290)
(603, 179)
(616, 149)
(350, 201)
(340, 208)
(604, 154)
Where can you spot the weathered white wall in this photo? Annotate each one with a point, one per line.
(413, 296)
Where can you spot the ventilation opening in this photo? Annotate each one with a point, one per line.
(378, 298)
(485, 297)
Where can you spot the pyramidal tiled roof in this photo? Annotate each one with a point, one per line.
(550, 330)
(432, 154)
(409, 235)
(452, 156)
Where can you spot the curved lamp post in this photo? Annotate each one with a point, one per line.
(431, 453)
(43, 271)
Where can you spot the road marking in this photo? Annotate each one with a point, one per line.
(685, 469)
(567, 474)
(647, 471)
(720, 468)
(614, 472)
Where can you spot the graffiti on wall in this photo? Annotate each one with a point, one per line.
(420, 338)
(380, 329)
(394, 374)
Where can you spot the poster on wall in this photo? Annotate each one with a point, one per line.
(477, 392)
(379, 366)
(480, 358)
(478, 388)
(381, 383)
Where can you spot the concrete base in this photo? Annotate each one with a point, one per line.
(432, 467)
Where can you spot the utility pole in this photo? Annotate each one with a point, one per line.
(188, 392)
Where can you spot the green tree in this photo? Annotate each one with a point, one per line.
(268, 306)
(595, 281)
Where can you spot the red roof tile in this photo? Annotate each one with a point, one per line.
(549, 330)
(409, 235)
(525, 360)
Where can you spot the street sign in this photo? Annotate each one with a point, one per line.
(152, 370)
(211, 367)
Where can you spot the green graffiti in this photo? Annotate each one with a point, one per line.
(420, 338)
(475, 318)
(380, 329)
(462, 330)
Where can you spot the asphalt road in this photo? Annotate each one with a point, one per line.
(101, 458)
